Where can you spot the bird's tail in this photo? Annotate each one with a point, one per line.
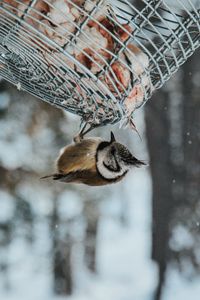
(55, 176)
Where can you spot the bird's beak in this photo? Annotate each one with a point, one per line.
(112, 137)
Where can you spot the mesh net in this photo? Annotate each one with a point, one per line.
(98, 59)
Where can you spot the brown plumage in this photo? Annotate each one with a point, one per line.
(94, 162)
(78, 163)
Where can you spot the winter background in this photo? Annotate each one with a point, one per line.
(136, 240)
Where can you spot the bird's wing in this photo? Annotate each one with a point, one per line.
(77, 157)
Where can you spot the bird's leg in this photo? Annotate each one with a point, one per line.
(82, 132)
(77, 138)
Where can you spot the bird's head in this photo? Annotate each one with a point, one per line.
(114, 159)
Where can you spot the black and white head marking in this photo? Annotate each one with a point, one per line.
(108, 162)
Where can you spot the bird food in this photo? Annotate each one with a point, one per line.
(100, 59)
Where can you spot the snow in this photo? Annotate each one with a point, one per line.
(70, 205)
(6, 206)
(181, 238)
(14, 159)
(4, 100)
(125, 270)
(179, 288)
(39, 197)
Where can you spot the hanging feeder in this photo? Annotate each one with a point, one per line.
(99, 59)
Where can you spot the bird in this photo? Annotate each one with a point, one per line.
(94, 162)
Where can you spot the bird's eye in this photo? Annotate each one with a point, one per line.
(113, 151)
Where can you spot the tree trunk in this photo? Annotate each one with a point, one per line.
(191, 132)
(62, 268)
(172, 126)
(91, 212)
(158, 136)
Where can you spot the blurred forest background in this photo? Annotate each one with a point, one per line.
(139, 239)
(136, 240)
